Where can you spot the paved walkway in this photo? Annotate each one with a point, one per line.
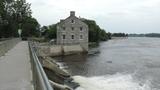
(15, 69)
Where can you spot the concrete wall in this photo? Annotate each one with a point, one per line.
(7, 45)
(72, 49)
(58, 50)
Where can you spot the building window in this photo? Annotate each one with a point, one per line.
(64, 36)
(64, 28)
(72, 28)
(72, 36)
(81, 28)
(81, 36)
(72, 21)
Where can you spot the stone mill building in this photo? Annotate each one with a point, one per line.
(72, 31)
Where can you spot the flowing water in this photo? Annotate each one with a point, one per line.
(122, 64)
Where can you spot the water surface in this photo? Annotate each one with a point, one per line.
(122, 64)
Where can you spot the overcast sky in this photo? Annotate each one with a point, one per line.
(129, 16)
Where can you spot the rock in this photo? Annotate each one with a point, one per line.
(59, 86)
(93, 51)
(72, 84)
(50, 65)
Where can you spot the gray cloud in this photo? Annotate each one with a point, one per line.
(130, 16)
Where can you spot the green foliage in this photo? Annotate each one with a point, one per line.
(119, 35)
(152, 35)
(1, 7)
(50, 31)
(104, 36)
(145, 35)
(30, 27)
(15, 14)
(94, 30)
(96, 34)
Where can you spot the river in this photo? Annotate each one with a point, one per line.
(122, 64)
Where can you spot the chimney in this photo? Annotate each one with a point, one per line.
(72, 13)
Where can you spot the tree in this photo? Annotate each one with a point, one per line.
(96, 34)
(15, 14)
(119, 35)
(49, 32)
(30, 27)
(104, 36)
(5, 7)
(94, 30)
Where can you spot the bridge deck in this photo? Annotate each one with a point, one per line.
(15, 69)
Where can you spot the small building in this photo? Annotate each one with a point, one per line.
(72, 31)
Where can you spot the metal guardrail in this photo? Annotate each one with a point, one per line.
(7, 44)
(40, 79)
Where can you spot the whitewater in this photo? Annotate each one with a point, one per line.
(111, 82)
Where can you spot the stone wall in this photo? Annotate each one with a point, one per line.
(79, 29)
(58, 50)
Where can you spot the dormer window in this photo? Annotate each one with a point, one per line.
(72, 21)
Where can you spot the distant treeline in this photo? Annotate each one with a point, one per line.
(96, 34)
(153, 35)
(119, 35)
(145, 35)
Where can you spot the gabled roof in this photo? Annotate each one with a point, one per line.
(62, 21)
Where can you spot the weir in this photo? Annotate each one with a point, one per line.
(40, 79)
(40, 69)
